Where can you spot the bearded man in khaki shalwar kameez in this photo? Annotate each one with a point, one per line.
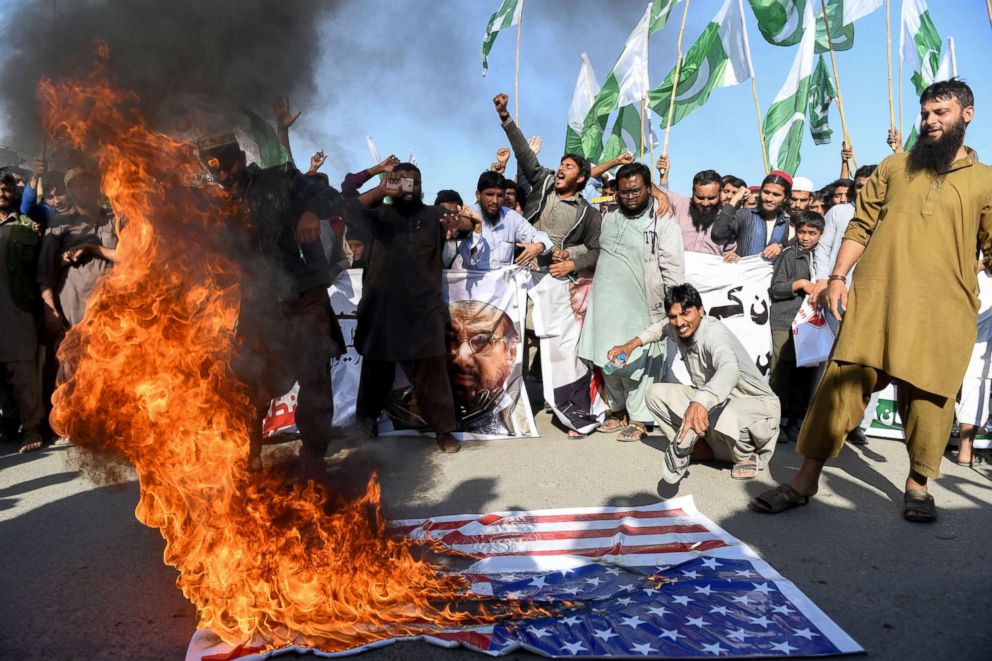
(911, 315)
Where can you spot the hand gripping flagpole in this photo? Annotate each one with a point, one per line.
(840, 102)
(675, 83)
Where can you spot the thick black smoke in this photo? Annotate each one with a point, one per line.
(181, 57)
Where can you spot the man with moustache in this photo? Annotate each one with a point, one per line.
(640, 258)
(401, 317)
(763, 230)
(555, 204)
(696, 216)
(729, 412)
(918, 225)
(482, 347)
(499, 231)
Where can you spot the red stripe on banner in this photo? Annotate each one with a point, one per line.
(236, 653)
(620, 549)
(456, 537)
(490, 519)
(479, 641)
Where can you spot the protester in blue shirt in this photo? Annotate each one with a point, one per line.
(763, 230)
(499, 231)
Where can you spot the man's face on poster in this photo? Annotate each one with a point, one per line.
(482, 346)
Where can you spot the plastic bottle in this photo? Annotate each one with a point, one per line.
(615, 364)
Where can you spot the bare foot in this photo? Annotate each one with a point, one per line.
(448, 443)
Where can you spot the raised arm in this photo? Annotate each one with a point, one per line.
(605, 166)
(284, 119)
(727, 224)
(527, 161)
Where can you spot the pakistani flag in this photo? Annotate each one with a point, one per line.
(719, 58)
(841, 34)
(948, 68)
(660, 11)
(780, 21)
(783, 125)
(507, 15)
(586, 89)
(270, 150)
(626, 85)
(919, 43)
(821, 95)
(628, 121)
(858, 9)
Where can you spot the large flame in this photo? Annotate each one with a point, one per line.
(150, 380)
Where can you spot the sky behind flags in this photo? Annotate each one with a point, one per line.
(431, 99)
(655, 581)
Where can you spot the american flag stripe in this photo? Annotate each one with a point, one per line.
(618, 548)
(441, 523)
(457, 537)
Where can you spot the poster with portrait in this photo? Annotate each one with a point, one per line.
(736, 294)
(484, 337)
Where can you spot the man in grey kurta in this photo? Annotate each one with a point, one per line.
(637, 249)
(19, 240)
(729, 405)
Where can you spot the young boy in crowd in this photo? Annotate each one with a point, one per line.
(792, 280)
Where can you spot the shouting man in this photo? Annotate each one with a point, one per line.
(555, 204)
(936, 203)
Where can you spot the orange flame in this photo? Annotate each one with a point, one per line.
(151, 380)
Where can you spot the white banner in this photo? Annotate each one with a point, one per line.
(571, 388)
(736, 294)
(489, 395)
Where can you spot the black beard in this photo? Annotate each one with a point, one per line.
(936, 156)
(633, 213)
(702, 221)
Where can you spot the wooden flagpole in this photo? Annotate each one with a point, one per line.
(516, 70)
(988, 6)
(840, 102)
(643, 104)
(888, 58)
(675, 82)
(754, 94)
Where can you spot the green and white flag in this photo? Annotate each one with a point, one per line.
(919, 43)
(628, 121)
(270, 150)
(661, 10)
(586, 89)
(780, 21)
(821, 95)
(948, 63)
(784, 121)
(841, 34)
(858, 9)
(720, 57)
(508, 14)
(626, 85)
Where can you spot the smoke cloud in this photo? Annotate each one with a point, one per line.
(185, 59)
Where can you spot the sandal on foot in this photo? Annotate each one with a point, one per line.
(677, 457)
(632, 433)
(781, 498)
(745, 470)
(448, 443)
(32, 441)
(611, 425)
(918, 506)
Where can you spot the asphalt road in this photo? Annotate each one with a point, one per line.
(83, 579)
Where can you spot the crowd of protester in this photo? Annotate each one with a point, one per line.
(58, 237)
